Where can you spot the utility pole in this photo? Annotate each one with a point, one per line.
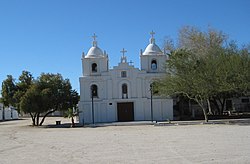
(151, 101)
(92, 97)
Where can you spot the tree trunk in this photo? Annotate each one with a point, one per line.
(200, 102)
(73, 122)
(37, 119)
(46, 116)
(205, 114)
(214, 101)
(33, 119)
(209, 107)
(223, 105)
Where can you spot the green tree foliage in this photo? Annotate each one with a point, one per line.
(8, 91)
(186, 78)
(60, 92)
(205, 67)
(49, 93)
(25, 82)
(43, 96)
(34, 102)
(70, 113)
(231, 75)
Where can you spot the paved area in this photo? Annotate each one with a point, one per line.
(199, 143)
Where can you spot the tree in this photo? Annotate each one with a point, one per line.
(61, 94)
(25, 82)
(34, 102)
(12, 91)
(185, 77)
(214, 44)
(8, 91)
(49, 93)
(45, 95)
(205, 67)
(201, 42)
(231, 77)
(70, 113)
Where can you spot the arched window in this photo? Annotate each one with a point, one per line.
(153, 64)
(94, 90)
(94, 67)
(124, 91)
(124, 88)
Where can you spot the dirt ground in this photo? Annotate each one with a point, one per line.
(21, 143)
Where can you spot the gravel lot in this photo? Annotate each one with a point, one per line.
(21, 143)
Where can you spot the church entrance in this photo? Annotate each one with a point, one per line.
(125, 111)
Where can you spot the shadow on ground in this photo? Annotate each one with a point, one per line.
(64, 125)
(240, 122)
(132, 123)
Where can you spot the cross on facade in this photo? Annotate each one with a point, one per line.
(152, 33)
(123, 58)
(131, 62)
(123, 51)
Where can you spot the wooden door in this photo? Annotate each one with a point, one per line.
(125, 111)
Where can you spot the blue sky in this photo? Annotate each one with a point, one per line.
(50, 35)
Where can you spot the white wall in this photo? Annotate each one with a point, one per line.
(104, 112)
(109, 83)
(1, 114)
(9, 113)
(1, 111)
(14, 114)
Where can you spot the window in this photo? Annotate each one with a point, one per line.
(245, 100)
(94, 90)
(94, 67)
(154, 64)
(229, 105)
(124, 91)
(123, 74)
(124, 88)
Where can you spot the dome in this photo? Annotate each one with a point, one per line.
(152, 48)
(94, 52)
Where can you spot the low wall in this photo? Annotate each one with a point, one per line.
(8, 113)
(1, 114)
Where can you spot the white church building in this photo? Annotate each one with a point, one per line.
(122, 93)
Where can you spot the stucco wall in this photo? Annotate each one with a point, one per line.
(106, 111)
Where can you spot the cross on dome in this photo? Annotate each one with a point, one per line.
(152, 33)
(123, 58)
(94, 41)
(152, 39)
(94, 36)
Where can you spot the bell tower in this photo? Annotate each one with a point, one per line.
(95, 62)
(153, 60)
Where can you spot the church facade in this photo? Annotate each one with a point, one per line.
(124, 92)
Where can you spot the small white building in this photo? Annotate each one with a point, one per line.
(8, 113)
(1, 111)
(122, 93)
